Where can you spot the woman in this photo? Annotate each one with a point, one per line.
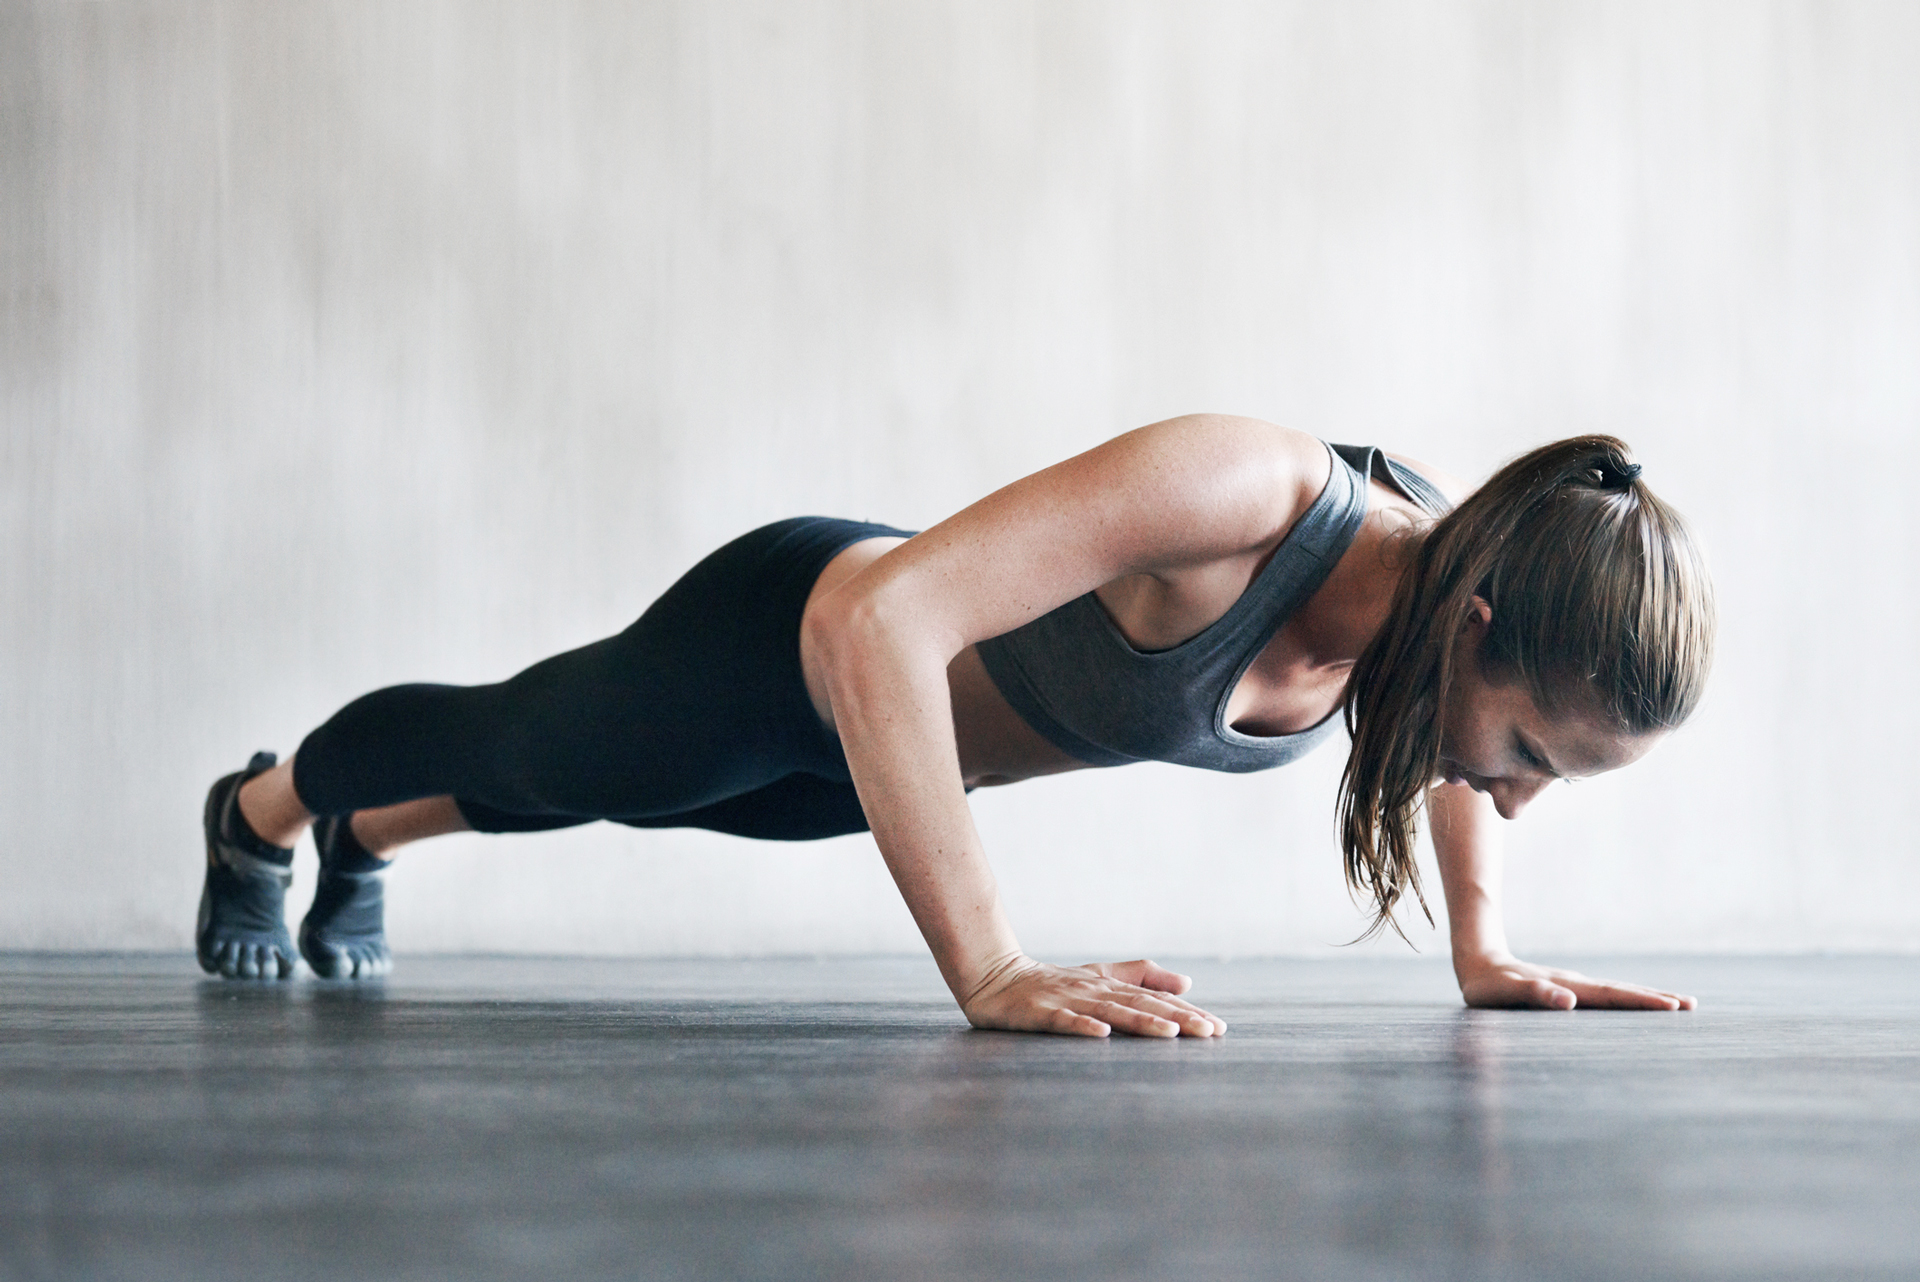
(1209, 590)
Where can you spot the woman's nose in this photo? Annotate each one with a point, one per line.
(1510, 796)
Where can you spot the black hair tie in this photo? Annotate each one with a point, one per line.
(1617, 476)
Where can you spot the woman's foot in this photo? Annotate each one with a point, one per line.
(344, 934)
(242, 930)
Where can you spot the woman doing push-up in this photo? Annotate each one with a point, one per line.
(1211, 591)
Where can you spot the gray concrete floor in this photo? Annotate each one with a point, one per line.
(494, 1118)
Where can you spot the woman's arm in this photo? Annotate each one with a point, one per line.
(1467, 843)
(1192, 491)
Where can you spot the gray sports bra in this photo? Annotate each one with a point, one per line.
(1074, 678)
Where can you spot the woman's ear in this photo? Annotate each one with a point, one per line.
(1479, 615)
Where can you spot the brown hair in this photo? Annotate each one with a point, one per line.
(1601, 606)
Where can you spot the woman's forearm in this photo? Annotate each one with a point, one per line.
(1467, 846)
(882, 662)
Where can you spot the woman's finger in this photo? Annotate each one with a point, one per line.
(1160, 979)
(1131, 1019)
(1192, 1020)
(1191, 1016)
(1549, 995)
(1145, 974)
(1188, 1018)
(1091, 1002)
(1629, 997)
(1076, 1023)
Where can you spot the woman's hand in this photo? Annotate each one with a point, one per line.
(1136, 997)
(1504, 980)
(1466, 843)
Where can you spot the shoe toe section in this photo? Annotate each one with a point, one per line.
(245, 958)
(342, 935)
(241, 931)
(326, 961)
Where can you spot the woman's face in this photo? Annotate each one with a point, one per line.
(1494, 738)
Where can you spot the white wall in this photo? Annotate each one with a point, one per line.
(346, 344)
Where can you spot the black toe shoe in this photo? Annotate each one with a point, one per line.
(242, 931)
(344, 934)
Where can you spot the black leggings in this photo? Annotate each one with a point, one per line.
(696, 716)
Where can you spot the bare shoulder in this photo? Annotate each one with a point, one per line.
(1184, 494)
(1244, 478)
(1236, 431)
(1450, 485)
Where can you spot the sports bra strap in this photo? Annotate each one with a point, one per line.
(1372, 462)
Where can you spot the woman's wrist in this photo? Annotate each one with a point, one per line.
(991, 974)
(1477, 958)
(1476, 929)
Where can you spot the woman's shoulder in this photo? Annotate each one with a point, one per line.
(1248, 475)
(1237, 435)
(1195, 500)
(1223, 445)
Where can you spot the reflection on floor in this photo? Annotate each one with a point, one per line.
(499, 1118)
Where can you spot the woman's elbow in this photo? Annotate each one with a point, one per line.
(855, 629)
(829, 626)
